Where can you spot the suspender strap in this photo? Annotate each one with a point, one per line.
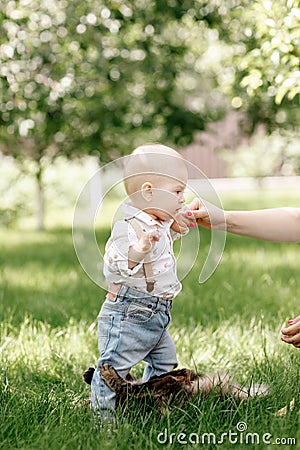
(147, 266)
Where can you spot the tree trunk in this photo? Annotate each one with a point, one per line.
(40, 204)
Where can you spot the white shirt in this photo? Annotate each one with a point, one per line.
(162, 256)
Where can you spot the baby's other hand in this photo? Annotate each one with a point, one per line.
(147, 241)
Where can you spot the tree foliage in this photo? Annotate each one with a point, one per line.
(102, 76)
(266, 155)
(79, 77)
(89, 76)
(265, 41)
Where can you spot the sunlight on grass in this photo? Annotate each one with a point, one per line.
(30, 277)
(48, 337)
(36, 346)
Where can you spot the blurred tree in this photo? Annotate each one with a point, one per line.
(264, 66)
(90, 77)
(102, 76)
(261, 76)
(266, 155)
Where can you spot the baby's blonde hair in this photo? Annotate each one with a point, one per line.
(151, 161)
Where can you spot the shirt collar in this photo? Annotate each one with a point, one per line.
(131, 211)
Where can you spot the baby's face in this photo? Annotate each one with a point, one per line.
(167, 197)
(156, 180)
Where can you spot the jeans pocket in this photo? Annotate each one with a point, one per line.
(104, 327)
(138, 313)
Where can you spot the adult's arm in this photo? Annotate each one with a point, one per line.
(277, 224)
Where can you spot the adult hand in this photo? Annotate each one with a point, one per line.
(291, 334)
(183, 220)
(208, 215)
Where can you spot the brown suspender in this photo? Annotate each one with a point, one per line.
(147, 265)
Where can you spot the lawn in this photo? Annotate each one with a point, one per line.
(232, 322)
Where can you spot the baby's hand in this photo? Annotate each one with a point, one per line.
(183, 220)
(208, 215)
(145, 244)
(147, 241)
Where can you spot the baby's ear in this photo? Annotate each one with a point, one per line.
(88, 375)
(146, 191)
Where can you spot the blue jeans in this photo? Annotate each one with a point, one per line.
(131, 329)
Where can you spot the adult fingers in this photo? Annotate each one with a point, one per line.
(291, 330)
(294, 340)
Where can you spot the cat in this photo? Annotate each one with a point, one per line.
(173, 388)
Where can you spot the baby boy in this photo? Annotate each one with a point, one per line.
(140, 269)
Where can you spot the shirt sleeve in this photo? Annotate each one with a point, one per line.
(116, 251)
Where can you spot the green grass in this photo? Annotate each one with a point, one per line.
(48, 314)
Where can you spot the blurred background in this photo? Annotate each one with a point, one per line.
(82, 83)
